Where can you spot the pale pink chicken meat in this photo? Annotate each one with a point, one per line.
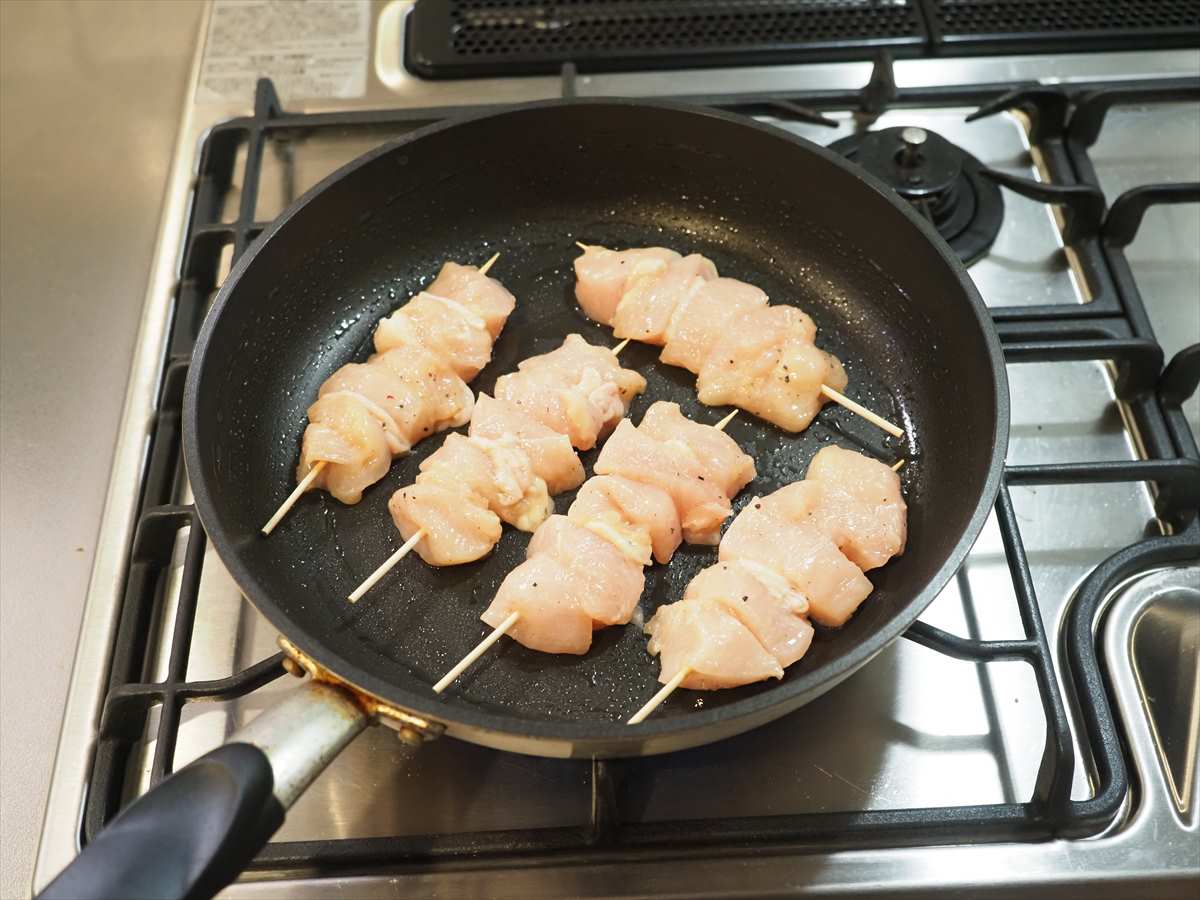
(578, 389)
(783, 532)
(412, 387)
(769, 366)
(485, 297)
(492, 473)
(417, 393)
(649, 300)
(862, 509)
(779, 564)
(601, 275)
(550, 453)
(458, 528)
(768, 606)
(351, 439)
(673, 467)
(638, 517)
(722, 459)
(703, 316)
(444, 327)
(718, 649)
(572, 582)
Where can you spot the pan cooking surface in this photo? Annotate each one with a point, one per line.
(884, 298)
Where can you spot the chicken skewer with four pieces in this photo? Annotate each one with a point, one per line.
(414, 385)
(796, 555)
(666, 481)
(518, 453)
(744, 352)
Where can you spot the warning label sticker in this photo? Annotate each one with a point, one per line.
(309, 48)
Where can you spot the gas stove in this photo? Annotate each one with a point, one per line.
(1039, 726)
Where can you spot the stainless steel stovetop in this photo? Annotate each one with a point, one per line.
(915, 728)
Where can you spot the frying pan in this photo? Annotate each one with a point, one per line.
(770, 208)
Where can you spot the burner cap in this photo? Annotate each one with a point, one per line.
(938, 178)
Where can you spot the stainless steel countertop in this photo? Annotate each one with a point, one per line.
(89, 110)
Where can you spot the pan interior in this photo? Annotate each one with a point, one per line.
(528, 184)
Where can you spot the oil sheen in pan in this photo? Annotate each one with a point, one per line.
(437, 610)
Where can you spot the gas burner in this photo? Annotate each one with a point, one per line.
(940, 179)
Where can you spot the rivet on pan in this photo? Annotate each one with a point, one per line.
(292, 667)
(409, 735)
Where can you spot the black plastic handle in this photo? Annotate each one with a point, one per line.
(187, 838)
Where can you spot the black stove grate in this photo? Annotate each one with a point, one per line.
(1112, 327)
(473, 38)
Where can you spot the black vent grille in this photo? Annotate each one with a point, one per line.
(1035, 25)
(479, 37)
(472, 38)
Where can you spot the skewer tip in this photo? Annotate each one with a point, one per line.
(483, 270)
(897, 466)
(720, 426)
(480, 649)
(286, 506)
(663, 693)
(582, 246)
(388, 564)
(621, 346)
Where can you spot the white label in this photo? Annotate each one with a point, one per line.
(309, 48)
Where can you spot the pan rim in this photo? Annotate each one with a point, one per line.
(615, 738)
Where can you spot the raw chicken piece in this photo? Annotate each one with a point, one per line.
(550, 453)
(769, 366)
(706, 636)
(571, 582)
(456, 530)
(601, 274)
(862, 509)
(351, 437)
(579, 390)
(649, 300)
(703, 316)
(439, 398)
(722, 459)
(630, 514)
(484, 296)
(773, 612)
(702, 504)
(444, 327)
(783, 532)
(412, 404)
(495, 474)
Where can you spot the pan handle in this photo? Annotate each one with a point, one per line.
(192, 834)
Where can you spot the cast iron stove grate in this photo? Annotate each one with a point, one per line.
(1116, 329)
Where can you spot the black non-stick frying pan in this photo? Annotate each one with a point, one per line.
(767, 207)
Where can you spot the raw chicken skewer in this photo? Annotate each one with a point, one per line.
(743, 352)
(519, 453)
(796, 554)
(668, 480)
(415, 384)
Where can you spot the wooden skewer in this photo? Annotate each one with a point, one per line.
(480, 649)
(621, 346)
(896, 467)
(664, 692)
(508, 623)
(287, 504)
(858, 409)
(317, 469)
(387, 565)
(582, 246)
(667, 689)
